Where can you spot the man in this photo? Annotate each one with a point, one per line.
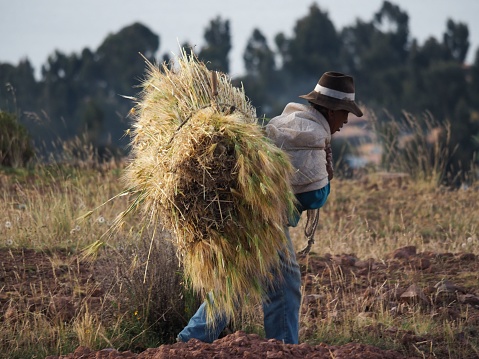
(304, 132)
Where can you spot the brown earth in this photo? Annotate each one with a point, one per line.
(445, 285)
(241, 345)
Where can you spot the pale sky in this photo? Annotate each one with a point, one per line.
(35, 28)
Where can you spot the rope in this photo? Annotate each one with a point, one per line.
(310, 228)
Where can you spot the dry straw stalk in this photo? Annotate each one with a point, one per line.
(202, 168)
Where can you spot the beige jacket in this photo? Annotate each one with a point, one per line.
(303, 133)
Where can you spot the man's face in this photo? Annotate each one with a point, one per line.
(337, 119)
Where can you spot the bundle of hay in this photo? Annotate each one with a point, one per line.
(202, 167)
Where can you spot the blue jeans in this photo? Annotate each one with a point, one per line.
(280, 308)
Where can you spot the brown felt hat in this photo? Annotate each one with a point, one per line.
(335, 91)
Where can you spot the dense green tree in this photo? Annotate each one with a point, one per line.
(456, 40)
(474, 80)
(375, 54)
(432, 51)
(18, 87)
(314, 47)
(119, 60)
(258, 57)
(357, 41)
(218, 45)
(59, 97)
(261, 73)
(441, 100)
(92, 121)
(463, 146)
(282, 44)
(119, 66)
(394, 25)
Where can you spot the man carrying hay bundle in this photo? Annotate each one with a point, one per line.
(202, 168)
(304, 132)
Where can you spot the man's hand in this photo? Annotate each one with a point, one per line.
(329, 161)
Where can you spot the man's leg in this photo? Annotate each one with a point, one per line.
(199, 328)
(281, 308)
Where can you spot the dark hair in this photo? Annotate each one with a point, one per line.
(322, 109)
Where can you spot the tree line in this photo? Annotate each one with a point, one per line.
(80, 93)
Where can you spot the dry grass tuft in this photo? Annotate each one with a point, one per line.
(202, 166)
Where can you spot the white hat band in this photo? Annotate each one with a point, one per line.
(333, 93)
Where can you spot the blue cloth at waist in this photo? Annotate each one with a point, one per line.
(309, 200)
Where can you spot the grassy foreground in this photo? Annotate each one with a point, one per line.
(141, 281)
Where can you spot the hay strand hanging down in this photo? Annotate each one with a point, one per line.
(202, 168)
